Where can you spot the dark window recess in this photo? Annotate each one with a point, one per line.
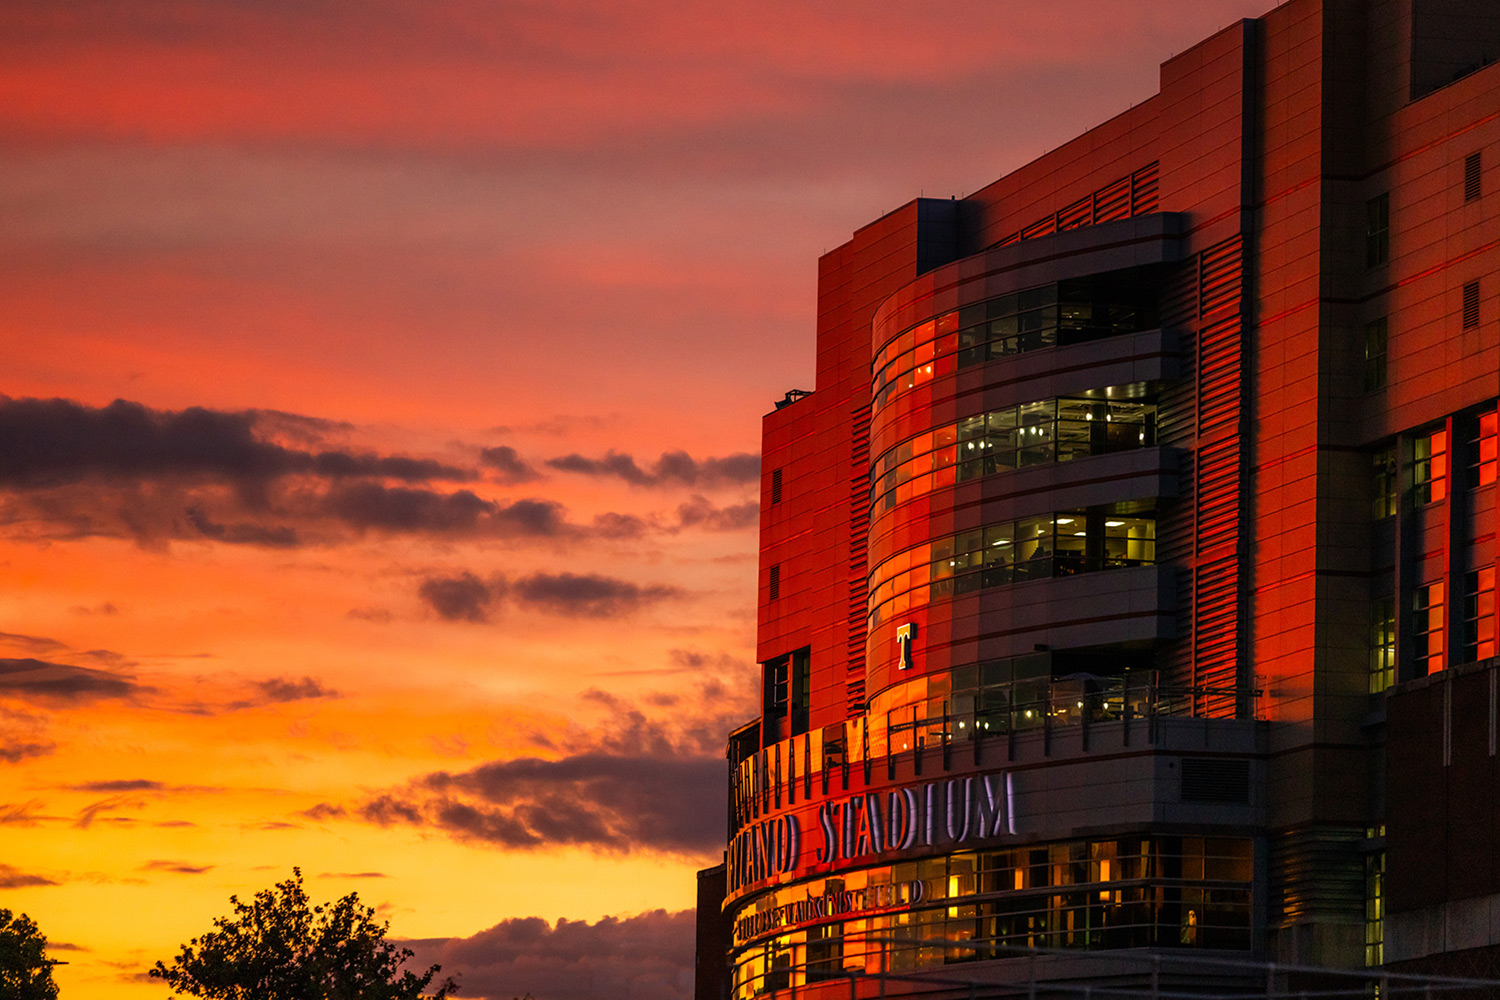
(1377, 230)
(776, 486)
(1206, 779)
(1375, 353)
(1471, 305)
(775, 692)
(774, 584)
(787, 691)
(1472, 189)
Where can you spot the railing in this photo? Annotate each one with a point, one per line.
(801, 766)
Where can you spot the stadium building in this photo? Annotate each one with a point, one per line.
(1127, 579)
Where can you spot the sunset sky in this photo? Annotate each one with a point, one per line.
(380, 396)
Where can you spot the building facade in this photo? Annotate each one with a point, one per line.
(1127, 580)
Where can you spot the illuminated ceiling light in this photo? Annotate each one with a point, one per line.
(1065, 520)
(1080, 534)
(1113, 524)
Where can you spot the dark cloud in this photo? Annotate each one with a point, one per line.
(246, 533)
(590, 595)
(698, 512)
(122, 785)
(374, 506)
(673, 468)
(23, 813)
(59, 683)
(646, 957)
(466, 597)
(176, 867)
(353, 875)
(49, 441)
(107, 608)
(507, 465)
(15, 751)
(14, 878)
(614, 803)
(457, 598)
(286, 689)
(325, 811)
(95, 811)
(31, 643)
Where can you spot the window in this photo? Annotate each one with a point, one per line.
(774, 583)
(1384, 503)
(1472, 167)
(1471, 305)
(1481, 451)
(1382, 644)
(1034, 548)
(786, 689)
(1119, 418)
(776, 486)
(1375, 342)
(1479, 614)
(1429, 467)
(1375, 909)
(1427, 629)
(776, 686)
(1378, 230)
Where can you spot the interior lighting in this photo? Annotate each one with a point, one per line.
(1113, 524)
(1065, 520)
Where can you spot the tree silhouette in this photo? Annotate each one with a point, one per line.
(277, 947)
(25, 969)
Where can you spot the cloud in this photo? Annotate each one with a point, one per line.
(507, 465)
(325, 811)
(590, 595)
(30, 643)
(279, 689)
(601, 801)
(645, 957)
(176, 867)
(374, 506)
(353, 875)
(466, 597)
(59, 683)
(457, 598)
(673, 468)
(45, 442)
(700, 513)
(106, 608)
(122, 785)
(14, 878)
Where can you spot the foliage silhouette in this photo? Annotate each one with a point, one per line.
(277, 947)
(25, 970)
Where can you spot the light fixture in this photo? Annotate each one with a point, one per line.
(1113, 524)
(1065, 520)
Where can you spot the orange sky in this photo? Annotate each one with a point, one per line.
(420, 552)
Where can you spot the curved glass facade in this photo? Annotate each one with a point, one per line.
(1069, 312)
(1031, 548)
(1122, 892)
(1050, 430)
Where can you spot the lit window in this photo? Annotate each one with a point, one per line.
(1375, 353)
(1482, 450)
(1429, 467)
(1479, 614)
(1377, 230)
(1427, 629)
(1382, 644)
